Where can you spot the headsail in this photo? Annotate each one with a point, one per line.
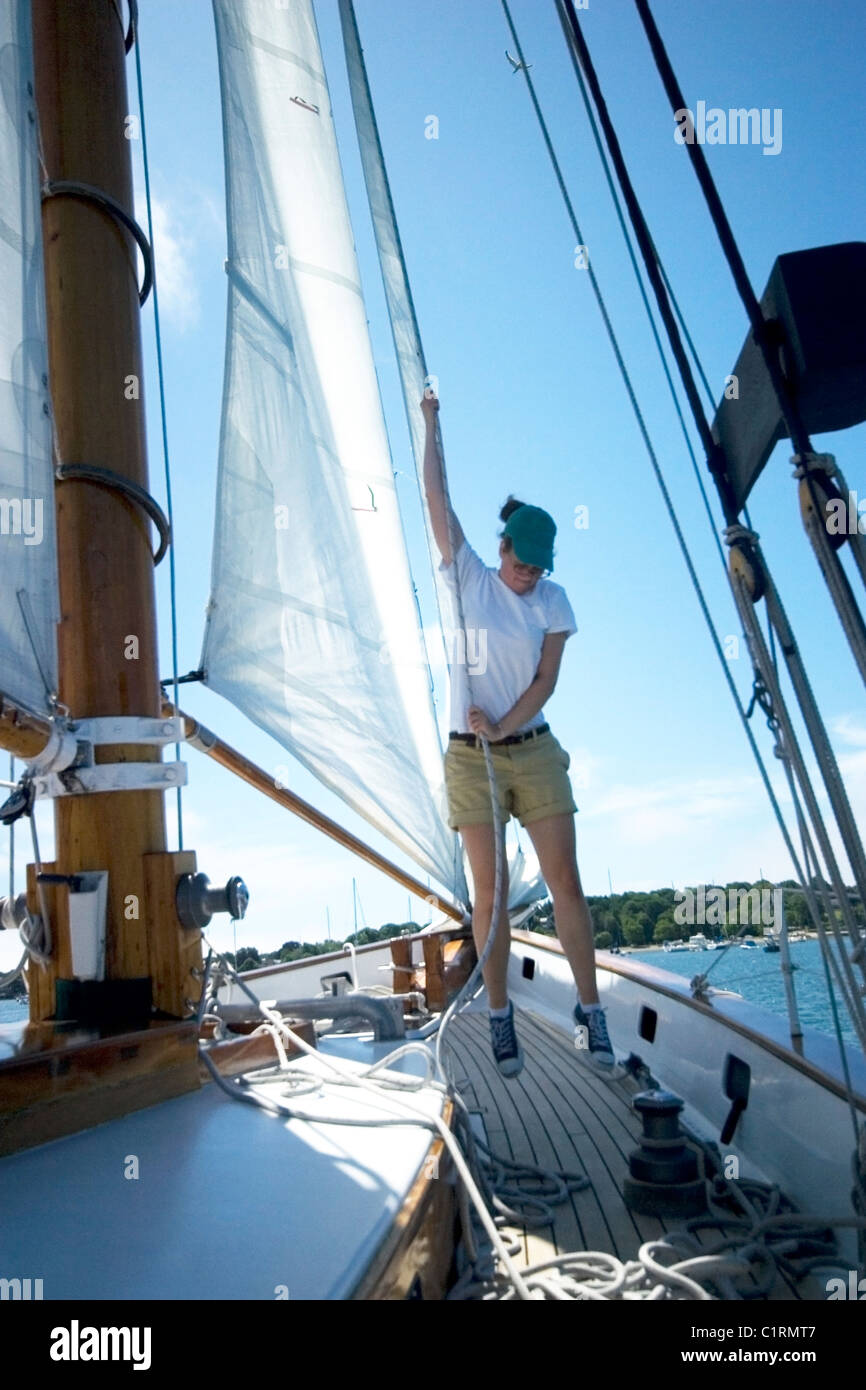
(29, 605)
(524, 886)
(312, 628)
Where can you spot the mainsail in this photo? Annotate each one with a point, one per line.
(29, 608)
(312, 627)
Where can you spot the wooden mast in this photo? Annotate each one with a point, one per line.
(107, 634)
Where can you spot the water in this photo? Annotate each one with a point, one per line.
(13, 1010)
(757, 976)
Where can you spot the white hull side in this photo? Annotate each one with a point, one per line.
(796, 1130)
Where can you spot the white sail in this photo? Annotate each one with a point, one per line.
(525, 885)
(29, 605)
(312, 628)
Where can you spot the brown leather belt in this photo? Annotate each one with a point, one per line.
(512, 738)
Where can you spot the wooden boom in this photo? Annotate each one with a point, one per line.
(207, 742)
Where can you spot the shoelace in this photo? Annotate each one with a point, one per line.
(504, 1037)
(598, 1030)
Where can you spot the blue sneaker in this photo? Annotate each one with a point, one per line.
(506, 1044)
(592, 1041)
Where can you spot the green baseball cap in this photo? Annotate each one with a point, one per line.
(532, 531)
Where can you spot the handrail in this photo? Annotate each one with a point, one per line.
(638, 973)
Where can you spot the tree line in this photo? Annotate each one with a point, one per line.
(619, 919)
(650, 918)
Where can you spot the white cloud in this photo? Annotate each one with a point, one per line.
(174, 253)
(849, 729)
(672, 803)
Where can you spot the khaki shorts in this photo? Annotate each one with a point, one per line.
(531, 778)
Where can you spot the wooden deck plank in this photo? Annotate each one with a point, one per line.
(597, 1218)
(553, 1070)
(566, 1091)
(498, 1106)
(534, 1145)
(576, 1226)
(611, 1126)
(558, 1114)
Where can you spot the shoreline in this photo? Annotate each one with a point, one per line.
(793, 937)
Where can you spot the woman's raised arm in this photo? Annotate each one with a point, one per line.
(446, 528)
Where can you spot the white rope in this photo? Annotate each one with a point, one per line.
(756, 1240)
(401, 1109)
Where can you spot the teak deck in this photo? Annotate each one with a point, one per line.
(560, 1115)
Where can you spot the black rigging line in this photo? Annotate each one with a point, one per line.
(652, 454)
(612, 188)
(761, 330)
(699, 367)
(714, 454)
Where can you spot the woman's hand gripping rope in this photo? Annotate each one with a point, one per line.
(479, 723)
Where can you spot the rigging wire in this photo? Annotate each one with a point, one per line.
(577, 44)
(789, 408)
(628, 239)
(652, 453)
(651, 256)
(135, 42)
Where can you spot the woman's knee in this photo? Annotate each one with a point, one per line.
(565, 885)
(481, 849)
(483, 901)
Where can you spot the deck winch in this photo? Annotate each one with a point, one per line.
(663, 1179)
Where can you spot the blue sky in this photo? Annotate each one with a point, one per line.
(532, 402)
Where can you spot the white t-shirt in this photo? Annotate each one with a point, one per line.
(504, 634)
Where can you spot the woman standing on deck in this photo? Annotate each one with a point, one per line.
(516, 626)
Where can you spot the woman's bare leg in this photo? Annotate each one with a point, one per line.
(553, 838)
(481, 848)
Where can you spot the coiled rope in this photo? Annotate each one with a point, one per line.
(761, 1235)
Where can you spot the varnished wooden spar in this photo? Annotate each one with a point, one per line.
(22, 734)
(107, 633)
(207, 742)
